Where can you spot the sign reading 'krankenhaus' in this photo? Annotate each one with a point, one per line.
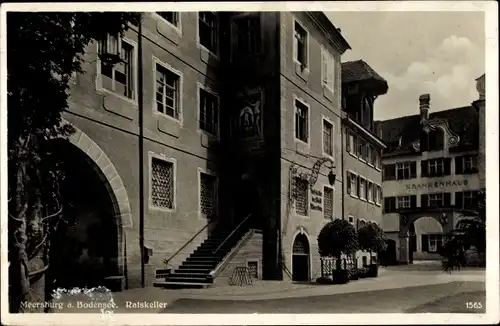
(437, 184)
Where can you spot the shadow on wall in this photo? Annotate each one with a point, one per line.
(85, 246)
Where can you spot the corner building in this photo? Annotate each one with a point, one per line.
(431, 177)
(241, 148)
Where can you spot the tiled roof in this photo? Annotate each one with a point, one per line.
(358, 71)
(462, 121)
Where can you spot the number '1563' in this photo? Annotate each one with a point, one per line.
(473, 305)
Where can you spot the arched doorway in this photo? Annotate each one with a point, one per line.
(86, 245)
(300, 258)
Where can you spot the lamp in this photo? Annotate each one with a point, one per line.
(331, 178)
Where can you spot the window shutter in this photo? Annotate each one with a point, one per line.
(447, 199)
(413, 201)
(459, 199)
(447, 166)
(348, 183)
(331, 72)
(425, 242)
(425, 171)
(459, 166)
(348, 142)
(324, 65)
(413, 170)
(424, 200)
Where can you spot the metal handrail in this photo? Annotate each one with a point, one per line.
(166, 261)
(231, 234)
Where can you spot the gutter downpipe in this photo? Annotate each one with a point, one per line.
(141, 148)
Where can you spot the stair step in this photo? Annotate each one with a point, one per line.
(180, 285)
(188, 279)
(192, 271)
(196, 268)
(185, 274)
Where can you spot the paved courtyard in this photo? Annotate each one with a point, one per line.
(417, 288)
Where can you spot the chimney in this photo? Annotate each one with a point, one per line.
(424, 106)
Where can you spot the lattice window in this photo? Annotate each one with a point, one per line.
(208, 194)
(162, 183)
(302, 197)
(300, 246)
(253, 267)
(328, 202)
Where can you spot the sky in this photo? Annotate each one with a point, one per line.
(439, 53)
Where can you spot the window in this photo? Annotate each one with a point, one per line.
(436, 200)
(431, 242)
(389, 172)
(167, 92)
(171, 16)
(436, 167)
(369, 195)
(361, 149)
(328, 66)
(370, 158)
(403, 202)
(207, 30)
(209, 112)
(466, 164)
(301, 121)
(117, 77)
(246, 35)
(253, 268)
(378, 197)
(328, 202)
(389, 204)
(466, 199)
(351, 147)
(208, 194)
(327, 138)
(162, 183)
(377, 158)
(362, 188)
(352, 184)
(300, 45)
(406, 170)
(436, 139)
(302, 199)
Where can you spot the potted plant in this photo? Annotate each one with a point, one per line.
(372, 239)
(338, 238)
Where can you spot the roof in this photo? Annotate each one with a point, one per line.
(359, 70)
(330, 29)
(462, 121)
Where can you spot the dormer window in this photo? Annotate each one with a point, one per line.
(436, 140)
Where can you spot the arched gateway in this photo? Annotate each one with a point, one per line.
(91, 247)
(407, 231)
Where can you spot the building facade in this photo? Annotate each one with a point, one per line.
(362, 147)
(192, 164)
(431, 178)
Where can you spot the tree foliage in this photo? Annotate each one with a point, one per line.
(337, 237)
(372, 238)
(44, 50)
(468, 233)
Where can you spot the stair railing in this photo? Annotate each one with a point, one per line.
(231, 234)
(167, 261)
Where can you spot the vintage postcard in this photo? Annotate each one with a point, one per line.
(245, 163)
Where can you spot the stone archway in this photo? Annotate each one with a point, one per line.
(301, 260)
(105, 176)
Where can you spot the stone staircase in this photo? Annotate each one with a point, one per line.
(197, 271)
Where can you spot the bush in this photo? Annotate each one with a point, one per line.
(372, 239)
(336, 238)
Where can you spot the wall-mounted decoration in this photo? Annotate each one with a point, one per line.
(247, 121)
